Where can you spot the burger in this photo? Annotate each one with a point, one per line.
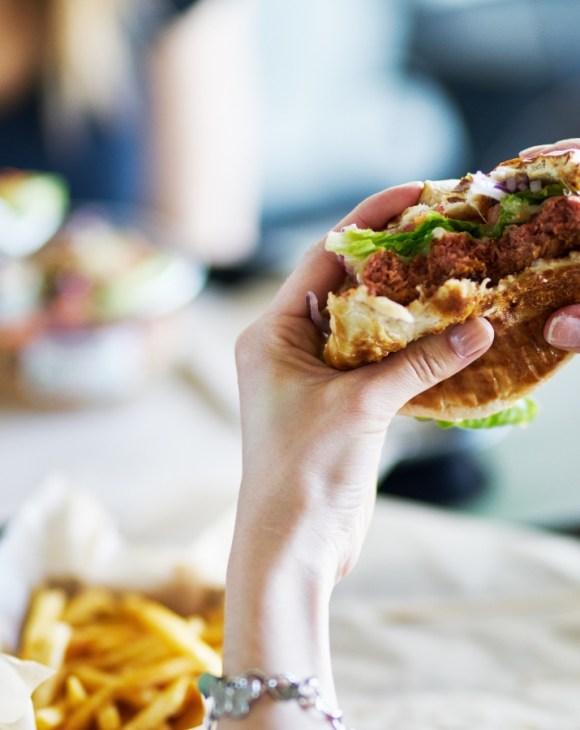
(503, 245)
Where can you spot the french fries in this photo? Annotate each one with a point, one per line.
(121, 661)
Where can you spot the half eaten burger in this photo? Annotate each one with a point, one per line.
(503, 245)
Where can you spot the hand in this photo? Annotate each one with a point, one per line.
(562, 330)
(562, 145)
(313, 435)
(312, 438)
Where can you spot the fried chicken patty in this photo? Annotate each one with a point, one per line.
(553, 232)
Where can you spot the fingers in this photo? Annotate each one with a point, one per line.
(375, 212)
(320, 271)
(573, 143)
(562, 329)
(432, 359)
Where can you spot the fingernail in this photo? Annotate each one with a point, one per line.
(470, 337)
(564, 331)
(531, 151)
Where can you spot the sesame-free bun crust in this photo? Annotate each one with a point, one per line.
(366, 328)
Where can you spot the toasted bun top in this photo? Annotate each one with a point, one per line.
(558, 166)
(436, 191)
(459, 201)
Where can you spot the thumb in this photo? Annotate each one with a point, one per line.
(435, 358)
(562, 329)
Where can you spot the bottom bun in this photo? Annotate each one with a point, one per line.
(365, 329)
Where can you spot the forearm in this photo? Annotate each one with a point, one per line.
(276, 622)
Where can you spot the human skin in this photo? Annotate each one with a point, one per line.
(312, 439)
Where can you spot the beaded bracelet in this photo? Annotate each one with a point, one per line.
(234, 696)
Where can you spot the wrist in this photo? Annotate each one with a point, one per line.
(252, 693)
(286, 519)
(276, 617)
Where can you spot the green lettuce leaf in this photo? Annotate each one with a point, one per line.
(356, 244)
(520, 414)
(519, 207)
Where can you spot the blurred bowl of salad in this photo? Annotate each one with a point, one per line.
(108, 294)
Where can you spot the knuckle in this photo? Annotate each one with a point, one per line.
(368, 403)
(363, 402)
(427, 366)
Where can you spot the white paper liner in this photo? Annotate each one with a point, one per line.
(445, 623)
(18, 680)
(63, 533)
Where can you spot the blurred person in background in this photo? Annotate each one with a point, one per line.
(140, 102)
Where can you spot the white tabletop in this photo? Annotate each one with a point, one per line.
(446, 621)
(143, 456)
(182, 434)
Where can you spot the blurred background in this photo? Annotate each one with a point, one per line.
(191, 151)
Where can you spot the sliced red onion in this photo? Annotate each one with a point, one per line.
(536, 186)
(347, 266)
(482, 184)
(523, 181)
(321, 322)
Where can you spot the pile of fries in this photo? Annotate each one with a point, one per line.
(122, 661)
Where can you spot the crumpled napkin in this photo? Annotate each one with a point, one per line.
(64, 533)
(18, 680)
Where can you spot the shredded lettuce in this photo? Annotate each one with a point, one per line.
(520, 414)
(356, 244)
(519, 207)
(359, 243)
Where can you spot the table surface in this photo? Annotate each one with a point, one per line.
(182, 434)
(535, 471)
(500, 605)
(147, 454)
